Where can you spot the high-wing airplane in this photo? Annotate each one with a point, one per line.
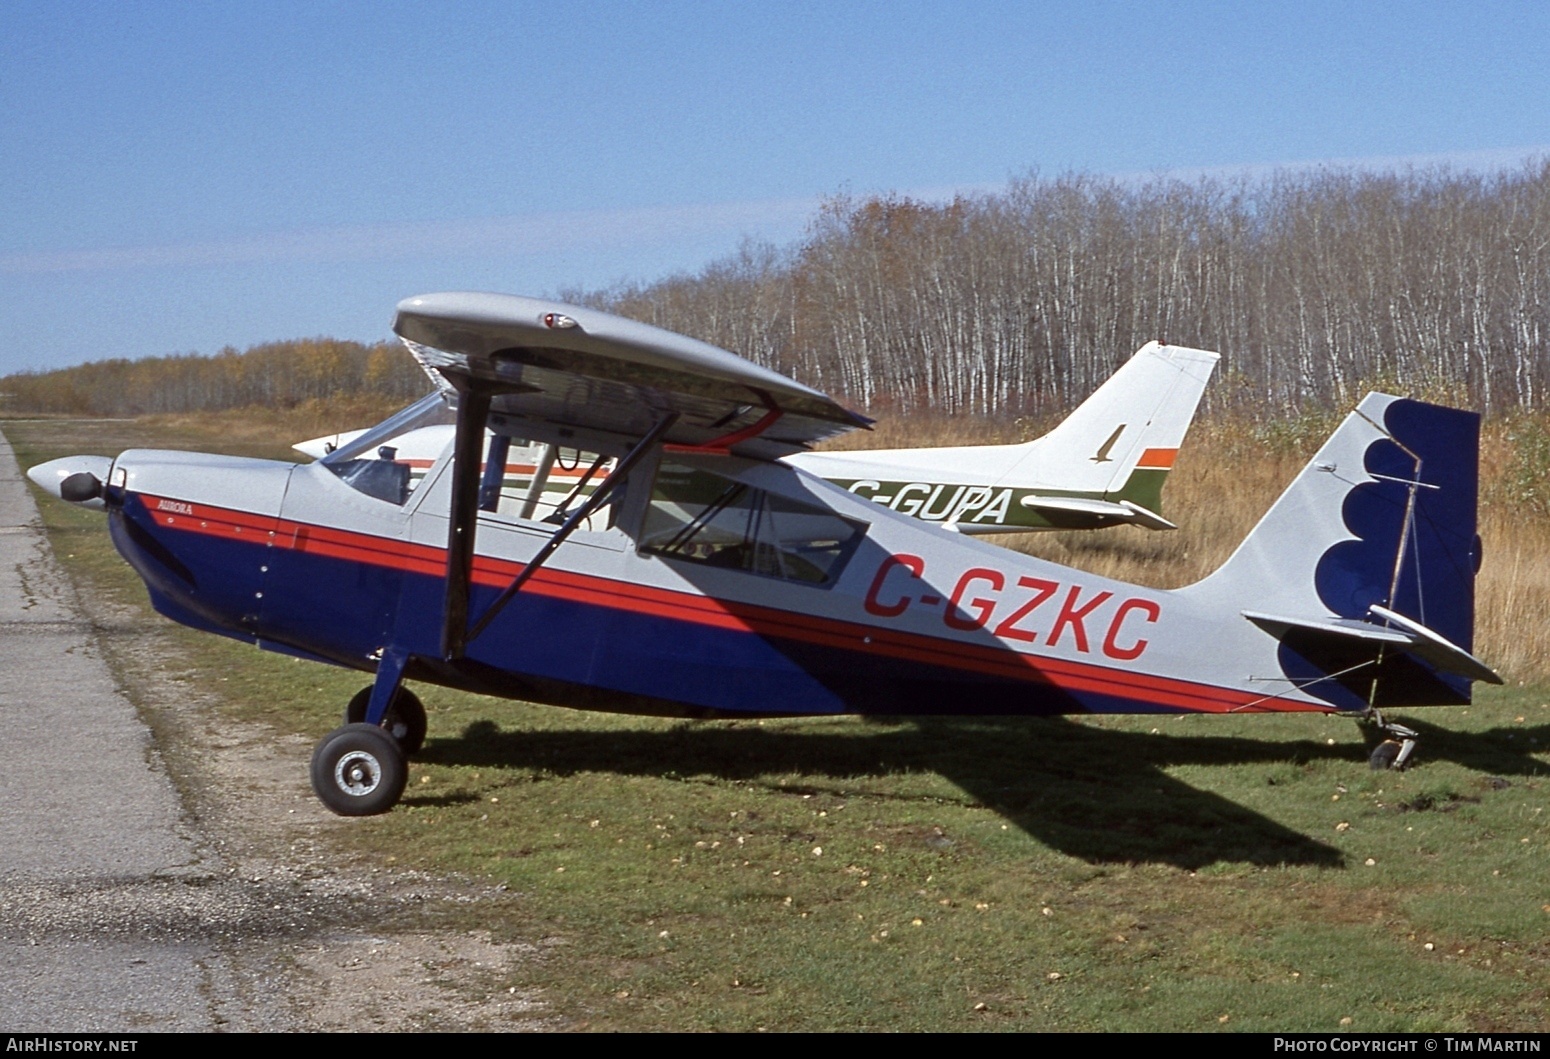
(1103, 466)
(704, 577)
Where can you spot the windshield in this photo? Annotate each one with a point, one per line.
(371, 464)
(434, 409)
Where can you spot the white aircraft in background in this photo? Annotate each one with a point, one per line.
(1103, 466)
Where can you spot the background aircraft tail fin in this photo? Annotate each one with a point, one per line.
(1365, 567)
(1122, 440)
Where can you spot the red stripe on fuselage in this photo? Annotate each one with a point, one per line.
(1000, 661)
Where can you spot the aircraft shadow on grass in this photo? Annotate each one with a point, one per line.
(1098, 795)
(1101, 796)
(1497, 752)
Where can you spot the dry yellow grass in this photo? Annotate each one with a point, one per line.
(263, 426)
(1512, 597)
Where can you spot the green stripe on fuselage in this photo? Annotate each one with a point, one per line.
(967, 505)
(1000, 506)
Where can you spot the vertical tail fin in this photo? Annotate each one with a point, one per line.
(1103, 466)
(1364, 569)
(1122, 440)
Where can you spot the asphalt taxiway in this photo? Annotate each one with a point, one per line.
(103, 924)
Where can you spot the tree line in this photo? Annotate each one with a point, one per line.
(1315, 286)
(272, 375)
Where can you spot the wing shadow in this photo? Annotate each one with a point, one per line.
(1097, 795)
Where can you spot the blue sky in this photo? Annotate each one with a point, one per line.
(179, 177)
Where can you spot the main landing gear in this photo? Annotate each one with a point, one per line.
(1398, 743)
(405, 719)
(360, 769)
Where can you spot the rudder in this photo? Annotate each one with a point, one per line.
(1365, 567)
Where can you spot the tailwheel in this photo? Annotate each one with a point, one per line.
(1395, 750)
(359, 770)
(404, 721)
(1385, 754)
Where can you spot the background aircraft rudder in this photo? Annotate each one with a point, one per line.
(1121, 442)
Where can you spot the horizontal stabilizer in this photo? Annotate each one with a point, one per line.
(1406, 635)
(1108, 510)
(1140, 516)
(1437, 649)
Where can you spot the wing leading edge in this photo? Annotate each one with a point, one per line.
(579, 367)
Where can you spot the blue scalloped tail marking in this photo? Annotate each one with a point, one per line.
(1436, 584)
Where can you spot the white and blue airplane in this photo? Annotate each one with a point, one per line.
(703, 576)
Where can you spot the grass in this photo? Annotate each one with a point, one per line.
(1195, 873)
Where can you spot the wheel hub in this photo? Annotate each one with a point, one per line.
(358, 774)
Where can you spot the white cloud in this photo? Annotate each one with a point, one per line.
(517, 236)
(504, 236)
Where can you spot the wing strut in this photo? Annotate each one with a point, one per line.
(473, 411)
(494, 473)
(598, 498)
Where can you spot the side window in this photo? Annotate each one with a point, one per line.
(542, 483)
(699, 517)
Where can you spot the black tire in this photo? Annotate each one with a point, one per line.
(1384, 755)
(405, 719)
(358, 770)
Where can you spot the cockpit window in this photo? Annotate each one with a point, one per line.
(383, 478)
(388, 461)
(543, 483)
(518, 479)
(699, 517)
